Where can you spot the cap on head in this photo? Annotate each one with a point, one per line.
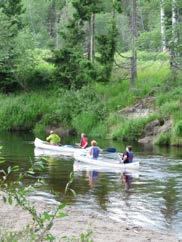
(51, 131)
(93, 142)
(83, 135)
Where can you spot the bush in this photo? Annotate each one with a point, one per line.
(176, 140)
(169, 108)
(33, 71)
(99, 130)
(131, 129)
(169, 96)
(163, 139)
(84, 122)
(73, 70)
(150, 40)
(152, 56)
(178, 128)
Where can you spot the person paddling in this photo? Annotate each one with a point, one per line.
(84, 141)
(53, 138)
(128, 155)
(94, 150)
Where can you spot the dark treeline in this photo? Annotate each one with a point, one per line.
(80, 38)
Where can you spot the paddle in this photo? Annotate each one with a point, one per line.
(110, 150)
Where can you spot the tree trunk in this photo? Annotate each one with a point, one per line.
(162, 24)
(175, 39)
(91, 38)
(52, 19)
(88, 40)
(133, 42)
(58, 17)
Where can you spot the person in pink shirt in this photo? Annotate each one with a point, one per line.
(84, 141)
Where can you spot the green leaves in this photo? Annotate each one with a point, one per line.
(61, 214)
(49, 237)
(46, 216)
(38, 166)
(67, 188)
(2, 160)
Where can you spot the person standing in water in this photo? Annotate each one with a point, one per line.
(94, 150)
(84, 141)
(128, 155)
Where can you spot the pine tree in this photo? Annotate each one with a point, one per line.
(73, 69)
(11, 11)
(106, 50)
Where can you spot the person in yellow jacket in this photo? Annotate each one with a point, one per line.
(53, 138)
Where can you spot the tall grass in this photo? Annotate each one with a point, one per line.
(22, 111)
(131, 130)
(152, 76)
(95, 108)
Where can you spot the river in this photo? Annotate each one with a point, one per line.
(150, 197)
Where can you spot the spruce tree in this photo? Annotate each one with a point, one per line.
(73, 69)
(11, 11)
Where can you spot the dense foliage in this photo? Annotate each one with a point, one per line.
(77, 60)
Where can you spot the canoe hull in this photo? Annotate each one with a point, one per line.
(66, 150)
(104, 162)
(79, 167)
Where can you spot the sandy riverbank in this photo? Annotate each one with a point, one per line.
(103, 228)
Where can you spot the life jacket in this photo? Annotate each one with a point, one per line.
(95, 152)
(130, 156)
(84, 142)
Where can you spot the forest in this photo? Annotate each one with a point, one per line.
(83, 65)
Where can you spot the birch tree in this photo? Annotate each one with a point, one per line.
(162, 24)
(133, 41)
(174, 39)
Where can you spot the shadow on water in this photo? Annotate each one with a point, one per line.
(134, 197)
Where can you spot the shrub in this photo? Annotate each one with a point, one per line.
(73, 70)
(32, 70)
(84, 122)
(99, 130)
(150, 40)
(176, 140)
(131, 129)
(152, 56)
(178, 128)
(169, 108)
(163, 139)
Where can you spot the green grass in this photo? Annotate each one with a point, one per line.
(163, 139)
(130, 130)
(22, 111)
(95, 108)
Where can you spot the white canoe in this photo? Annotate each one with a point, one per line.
(81, 167)
(104, 162)
(66, 150)
(38, 152)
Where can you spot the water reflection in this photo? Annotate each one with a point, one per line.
(169, 194)
(134, 198)
(127, 180)
(92, 177)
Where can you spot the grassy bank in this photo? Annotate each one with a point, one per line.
(95, 108)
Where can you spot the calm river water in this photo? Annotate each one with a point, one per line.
(153, 198)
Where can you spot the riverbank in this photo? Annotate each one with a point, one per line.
(79, 222)
(150, 112)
